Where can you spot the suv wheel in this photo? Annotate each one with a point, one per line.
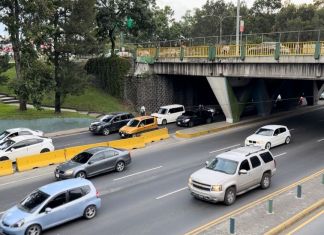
(265, 181)
(120, 166)
(190, 124)
(287, 140)
(44, 151)
(90, 212)
(34, 229)
(106, 131)
(268, 145)
(164, 122)
(81, 174)
(230, 196)
(4, 158)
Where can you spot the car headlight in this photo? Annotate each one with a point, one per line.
(190, 181)
(69, 172)
(216, 188)
(186, 120)
(18, 224)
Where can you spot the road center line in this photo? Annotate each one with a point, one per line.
(320, 140)
(218, 150)
(168, 194)
(141, 172)
(12, 182)
(280, 154)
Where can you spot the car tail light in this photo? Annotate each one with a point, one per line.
(97, 194)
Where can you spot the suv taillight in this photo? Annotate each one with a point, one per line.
(97, 194)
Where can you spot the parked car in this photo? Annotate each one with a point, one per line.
(269, 136)
(25, 145)
(92, 162)
(138, 125)
(18, 132)
(110, 123)
(196, 117)
(52, 205)
(168, 113)
(322, 96)
(233, 173)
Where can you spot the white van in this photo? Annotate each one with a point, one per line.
(168, 113)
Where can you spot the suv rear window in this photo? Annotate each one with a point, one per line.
(266, 157)
(255, 161)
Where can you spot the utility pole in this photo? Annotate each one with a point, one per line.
(238, 26)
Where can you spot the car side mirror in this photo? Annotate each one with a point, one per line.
(90, 162)
(206, 163)
(48, 210)
(275, 134)
(243, 172)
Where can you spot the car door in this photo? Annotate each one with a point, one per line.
(115, 123)
(244, 181)
(35, 146)
(110, 158)
(256, 170)
(58, 213)
(74, 203)
(95, 164)
(172, 116)
(124, 120)
(275, 140)
(283, 134)
(17, 150)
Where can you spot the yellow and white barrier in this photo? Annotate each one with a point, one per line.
(130, 143)
(6, 167)
(156, 135)
(71, 152)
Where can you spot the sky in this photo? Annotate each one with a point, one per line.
(181, 6)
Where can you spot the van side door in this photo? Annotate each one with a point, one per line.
(256, 171)
(244, 181)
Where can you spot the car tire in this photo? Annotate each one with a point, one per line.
(265, 181)
(208, 120)
(164, 122)
(4, 158)
(230, 196)
(33, 229)
(81, 174)
(190, 124)
(120, 166)
(44, 151)
(106, 131)
(287, 140)
(268, 145)
(90, 212)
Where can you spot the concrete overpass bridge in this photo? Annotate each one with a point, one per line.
(237, 74)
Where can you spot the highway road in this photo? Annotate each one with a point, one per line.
(150, 196)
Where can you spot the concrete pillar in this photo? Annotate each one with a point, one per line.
(262, 98)
(226, 98)
(316, 93)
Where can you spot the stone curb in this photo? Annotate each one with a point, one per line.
(180, 134)
(291, 221)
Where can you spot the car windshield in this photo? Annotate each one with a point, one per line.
(106, 119)
(162, 111)
(223, 165)
(264, 131)
(133, 123)
(6, 144)
(82, 157)
(3, 135)
(33, 200)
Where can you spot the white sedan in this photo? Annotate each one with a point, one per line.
(18, 132)
(22, 146)
(269, 136)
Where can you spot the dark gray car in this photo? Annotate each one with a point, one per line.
(92, 162)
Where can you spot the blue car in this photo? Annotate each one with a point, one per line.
(51, 205)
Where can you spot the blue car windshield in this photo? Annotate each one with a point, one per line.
(223, 165)
(33, 200)
(82, 157)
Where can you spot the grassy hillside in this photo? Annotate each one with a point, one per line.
(93, 99)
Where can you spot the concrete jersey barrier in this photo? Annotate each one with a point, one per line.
(131, 143)
(71, 152)
(156, 135)
(6, 168)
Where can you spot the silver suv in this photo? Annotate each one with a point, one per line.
(233, 173)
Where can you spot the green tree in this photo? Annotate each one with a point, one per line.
(4, 66)
(112, 19)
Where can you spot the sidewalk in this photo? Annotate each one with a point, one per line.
(220, 126)
(254, 219)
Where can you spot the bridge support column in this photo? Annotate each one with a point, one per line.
(226, 98)
(262, 98)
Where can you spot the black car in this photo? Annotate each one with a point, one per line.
(110, 123)
(196, 117)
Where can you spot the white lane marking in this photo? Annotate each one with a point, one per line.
(218, 150)
(280, 154)
(141, 172)
(320, 140)
(12, 182)
(168, 194)
(70, 144)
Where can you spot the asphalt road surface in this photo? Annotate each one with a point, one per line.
(150, 196)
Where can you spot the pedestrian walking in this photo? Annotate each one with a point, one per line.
(142, 111)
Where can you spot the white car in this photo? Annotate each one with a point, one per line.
(22, 146)
(269, 136)
(168, 113)
(18, 132)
